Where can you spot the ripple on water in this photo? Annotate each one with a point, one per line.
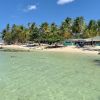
(49, 76)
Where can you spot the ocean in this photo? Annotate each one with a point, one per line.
(49, 76)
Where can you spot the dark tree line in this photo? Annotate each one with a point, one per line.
(51, 33)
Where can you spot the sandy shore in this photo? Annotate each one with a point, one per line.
(69, 49)
(73, 49)
(21, 47)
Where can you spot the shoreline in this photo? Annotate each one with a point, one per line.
(72, 49)
(68, 49)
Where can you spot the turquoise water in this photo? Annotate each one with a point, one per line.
(49, 76)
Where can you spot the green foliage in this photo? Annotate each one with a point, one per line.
(78, 26)
(33, 32)
(51, 33)
(8, 38)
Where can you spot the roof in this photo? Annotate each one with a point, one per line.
(97, 38)
(75, 40)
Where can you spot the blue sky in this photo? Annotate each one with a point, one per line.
(24, 11)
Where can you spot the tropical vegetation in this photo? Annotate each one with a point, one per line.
(51, 33)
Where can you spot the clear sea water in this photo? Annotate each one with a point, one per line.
(49, 76)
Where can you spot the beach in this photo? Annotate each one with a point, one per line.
(73, 49)
(67, 49)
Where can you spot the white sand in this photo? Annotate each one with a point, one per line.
(73, 49)
(22, 47)
(19, 47)
(69, 49)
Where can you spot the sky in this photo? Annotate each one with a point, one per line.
(21, 12)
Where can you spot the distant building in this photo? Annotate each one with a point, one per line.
(94, 40)
(90, 41)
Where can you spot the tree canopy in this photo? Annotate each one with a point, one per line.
(51, 33)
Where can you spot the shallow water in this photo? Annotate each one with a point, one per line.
(49, 76)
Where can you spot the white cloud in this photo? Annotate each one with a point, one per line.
(62, 2)
(30, 8)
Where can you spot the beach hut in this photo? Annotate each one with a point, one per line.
(97, 40)
(77, 42)
(67, 43)
(93, 41)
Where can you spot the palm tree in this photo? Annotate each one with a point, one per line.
(6, 35)
(98, 27)
(66, 28)
(33, 31)
(8, 27)
(79, 26)
(44, 31)
(53, 28)
(92, 27)
(44, 27)
(54, 33)
(51, 32)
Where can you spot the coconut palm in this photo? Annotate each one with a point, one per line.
(79, 26)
